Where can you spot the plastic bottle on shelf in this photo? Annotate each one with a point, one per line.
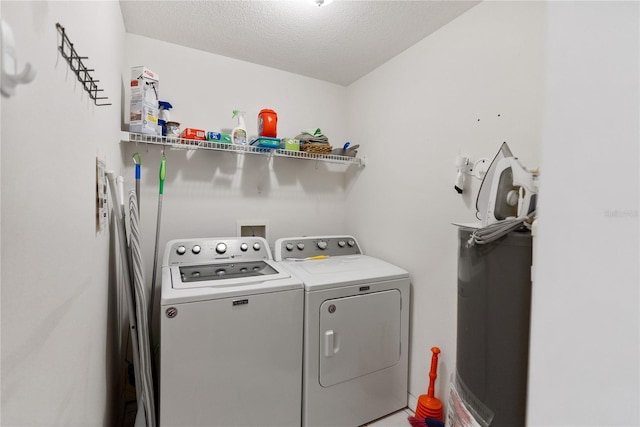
(239, 134)
(163, 116)
(267, 123)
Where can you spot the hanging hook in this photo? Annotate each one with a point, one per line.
(76, 65)
(10, 75)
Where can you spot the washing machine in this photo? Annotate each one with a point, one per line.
(230, 335)
(356, 330)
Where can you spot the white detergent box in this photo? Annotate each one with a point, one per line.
(145, 85)
(146, 120)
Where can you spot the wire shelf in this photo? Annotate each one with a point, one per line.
(191, 144)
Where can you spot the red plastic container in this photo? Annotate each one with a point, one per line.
(268, 123)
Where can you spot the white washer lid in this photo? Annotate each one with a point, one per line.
(343, 270)
(174, 290)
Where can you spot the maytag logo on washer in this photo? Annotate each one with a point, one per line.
(332, 308)
(171, 312)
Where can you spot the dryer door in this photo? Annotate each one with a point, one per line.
(358, 335)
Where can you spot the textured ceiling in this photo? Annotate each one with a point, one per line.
(338, 43)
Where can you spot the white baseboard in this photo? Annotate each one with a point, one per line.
(412, 402)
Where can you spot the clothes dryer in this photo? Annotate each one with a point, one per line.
(231, 335)
(356, 330)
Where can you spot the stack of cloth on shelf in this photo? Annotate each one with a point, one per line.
(314, 141)
(312, 136)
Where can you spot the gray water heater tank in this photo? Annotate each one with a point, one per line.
(494, 307)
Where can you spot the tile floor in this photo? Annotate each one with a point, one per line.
(397, 419)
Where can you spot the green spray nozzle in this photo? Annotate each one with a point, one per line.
(163, 172)
(240, 116)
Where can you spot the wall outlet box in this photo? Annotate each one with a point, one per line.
(101, 195)
(253, 228)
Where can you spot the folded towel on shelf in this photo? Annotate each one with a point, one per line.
(314, 132)
(306, 138)
(312, 136)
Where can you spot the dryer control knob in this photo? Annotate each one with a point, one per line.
(221, 248)
(322, 244)
(256, 246)
(181, 250)
(351, 242)
(341, 243)
(244, 247)
(196, 249)
(289, 246)
(300, 246)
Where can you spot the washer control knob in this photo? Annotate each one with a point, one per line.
(300, 246)
(196, 249)
(322, 244)
(244, 247)
(221, 248)
(289, 246)
(256, 246)
(181, 250)
(351, 242)
(341, 243)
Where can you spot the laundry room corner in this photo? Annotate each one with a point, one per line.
(450, 94)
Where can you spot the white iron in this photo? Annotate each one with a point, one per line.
(513, 189)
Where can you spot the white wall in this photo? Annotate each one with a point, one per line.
(206, 192)
(58, 300)
(585, 335)
(412, 116)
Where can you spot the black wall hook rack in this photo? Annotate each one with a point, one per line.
(74, 60)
